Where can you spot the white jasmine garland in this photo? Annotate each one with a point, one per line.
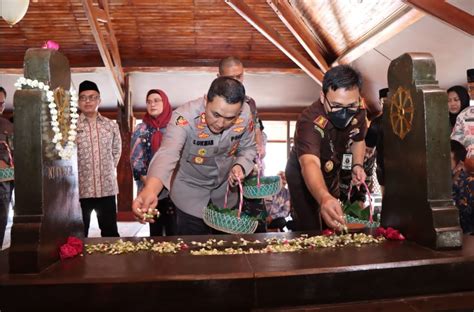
(63, 152)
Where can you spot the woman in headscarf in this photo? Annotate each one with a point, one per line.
(458, 100)
(146, 140)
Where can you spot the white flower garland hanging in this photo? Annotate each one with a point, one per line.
(63, 152)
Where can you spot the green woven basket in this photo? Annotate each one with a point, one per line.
(227, 220)
(269, 186)
(229, 223)
(7, 174)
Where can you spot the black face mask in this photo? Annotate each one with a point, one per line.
(342, 117)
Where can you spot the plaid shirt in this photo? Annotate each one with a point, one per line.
(99, 147)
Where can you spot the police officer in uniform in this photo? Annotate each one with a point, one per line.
(323, 132)
(209, 143)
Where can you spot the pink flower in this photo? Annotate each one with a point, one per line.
(50, 44)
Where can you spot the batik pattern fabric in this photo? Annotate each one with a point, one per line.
(463, 130)
(99, 147)
(463, 196)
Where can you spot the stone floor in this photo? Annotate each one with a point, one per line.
(126, 229)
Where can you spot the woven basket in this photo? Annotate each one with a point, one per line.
(269, 186)
(7, 174)
(230, 223)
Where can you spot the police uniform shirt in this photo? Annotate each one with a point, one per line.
(316, 135)
(194, 163)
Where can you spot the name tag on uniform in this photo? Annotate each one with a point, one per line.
(347, 162)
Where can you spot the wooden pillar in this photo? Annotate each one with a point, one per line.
(124, 169)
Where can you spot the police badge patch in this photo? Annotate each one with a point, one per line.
(181, 121)
(320, 121)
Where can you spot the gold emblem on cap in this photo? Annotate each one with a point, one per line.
(328, 166)
(202, 152)
(198, 160)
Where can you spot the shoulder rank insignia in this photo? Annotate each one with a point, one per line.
(181, 121)
(320, 121)
(320, 131)
(239, 129)
(203, 135)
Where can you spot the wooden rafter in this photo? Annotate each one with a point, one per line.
(447, 13)
(301, 32)
(108, 50)
(387, 30)
(274, 37)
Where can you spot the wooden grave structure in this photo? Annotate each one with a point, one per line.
(394, 275)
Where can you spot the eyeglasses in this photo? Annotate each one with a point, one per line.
(156, 101)
(90, 98)
(336, 107)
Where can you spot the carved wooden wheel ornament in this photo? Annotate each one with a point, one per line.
(401, 112)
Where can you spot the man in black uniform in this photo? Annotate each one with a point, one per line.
(322, 135)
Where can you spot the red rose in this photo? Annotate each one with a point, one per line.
(380, 231)
(67, 251)
(389, 233)
(72, 248)
(76, 243)
(394, 234)
(328, 232)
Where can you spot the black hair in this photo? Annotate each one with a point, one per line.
(458, 150)
(229, 88)
(462, 94)
(3, 90)
(227, 62)
(341, 76)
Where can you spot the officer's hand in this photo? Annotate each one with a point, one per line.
(236, 174)
(143, 206)
(358, 175)
(331, 212)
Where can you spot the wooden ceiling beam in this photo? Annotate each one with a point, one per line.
(447, 13)
(161, 69)
(108, 50)
(400, 21)
(274, 37)
(299, 30)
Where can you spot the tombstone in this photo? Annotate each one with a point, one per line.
(418, 184)
(46, 187)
